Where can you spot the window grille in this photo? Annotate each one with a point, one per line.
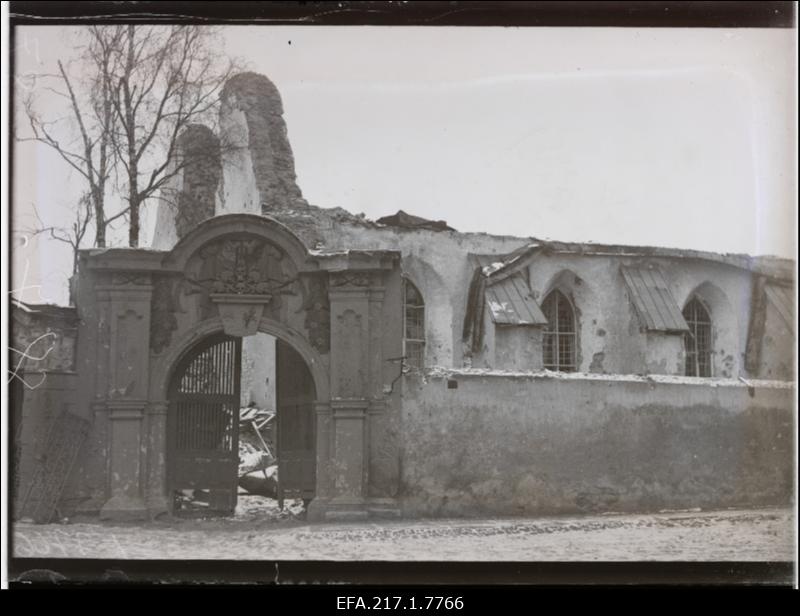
(560, 336)
(413, 326)
(697, 340)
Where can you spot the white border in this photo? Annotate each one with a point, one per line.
(4, 128)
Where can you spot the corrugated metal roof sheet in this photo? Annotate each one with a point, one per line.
(781, 298)
(654, 303)
(510, 303)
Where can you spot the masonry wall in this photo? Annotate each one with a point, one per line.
(535, 444)
(41, 408)
(611, 339)
(45, 386)
(89, 480)
(777, 347)
(258, 371)
(437, 263)
(253, 171)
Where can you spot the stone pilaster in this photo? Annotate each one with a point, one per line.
(318, 507)
(376, 295)
(125, 428)
(350, 388)
(126, 380)
(155, 496)
(98, 444)
(350, 459)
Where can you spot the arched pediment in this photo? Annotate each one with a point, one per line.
(213, 230)
(240, 266)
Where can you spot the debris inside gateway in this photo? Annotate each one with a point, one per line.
(258, 473)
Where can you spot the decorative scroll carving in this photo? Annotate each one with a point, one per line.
(243, 266)
(240, 270)
(238, 277)
(318, 312)
(162, 317)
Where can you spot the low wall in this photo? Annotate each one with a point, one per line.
(478, 443)
(53, 392)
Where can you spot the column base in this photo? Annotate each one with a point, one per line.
(315, 512)
(124, 509)
(384, 509)
(346, 510)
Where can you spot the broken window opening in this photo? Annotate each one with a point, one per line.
(413, 327)
(697, 340)
(560, 336)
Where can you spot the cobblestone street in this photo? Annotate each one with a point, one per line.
(740, 535)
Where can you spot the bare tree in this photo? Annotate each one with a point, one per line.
(73, 234)
(164, 78)
(91, 113)
(140, 87)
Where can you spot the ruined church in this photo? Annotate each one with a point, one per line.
(408, 369)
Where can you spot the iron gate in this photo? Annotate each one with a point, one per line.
(295, 393)
(203, 427)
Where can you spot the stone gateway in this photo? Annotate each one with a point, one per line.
(413, 370)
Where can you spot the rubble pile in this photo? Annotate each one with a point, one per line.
(258, 468)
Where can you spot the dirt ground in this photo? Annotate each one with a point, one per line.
(259, 530)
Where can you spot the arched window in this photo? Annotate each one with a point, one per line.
(698, 339)
(413, 326)
(560, 335)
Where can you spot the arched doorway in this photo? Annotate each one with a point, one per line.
(203, 424)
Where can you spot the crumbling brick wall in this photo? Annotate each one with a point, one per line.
(252, 114)
(202, 171)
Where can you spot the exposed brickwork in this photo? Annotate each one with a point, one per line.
(202, 171)
(271, 155)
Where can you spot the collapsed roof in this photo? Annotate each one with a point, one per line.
(499, 286)
(404, 220)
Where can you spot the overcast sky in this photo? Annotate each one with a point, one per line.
(665, 137)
